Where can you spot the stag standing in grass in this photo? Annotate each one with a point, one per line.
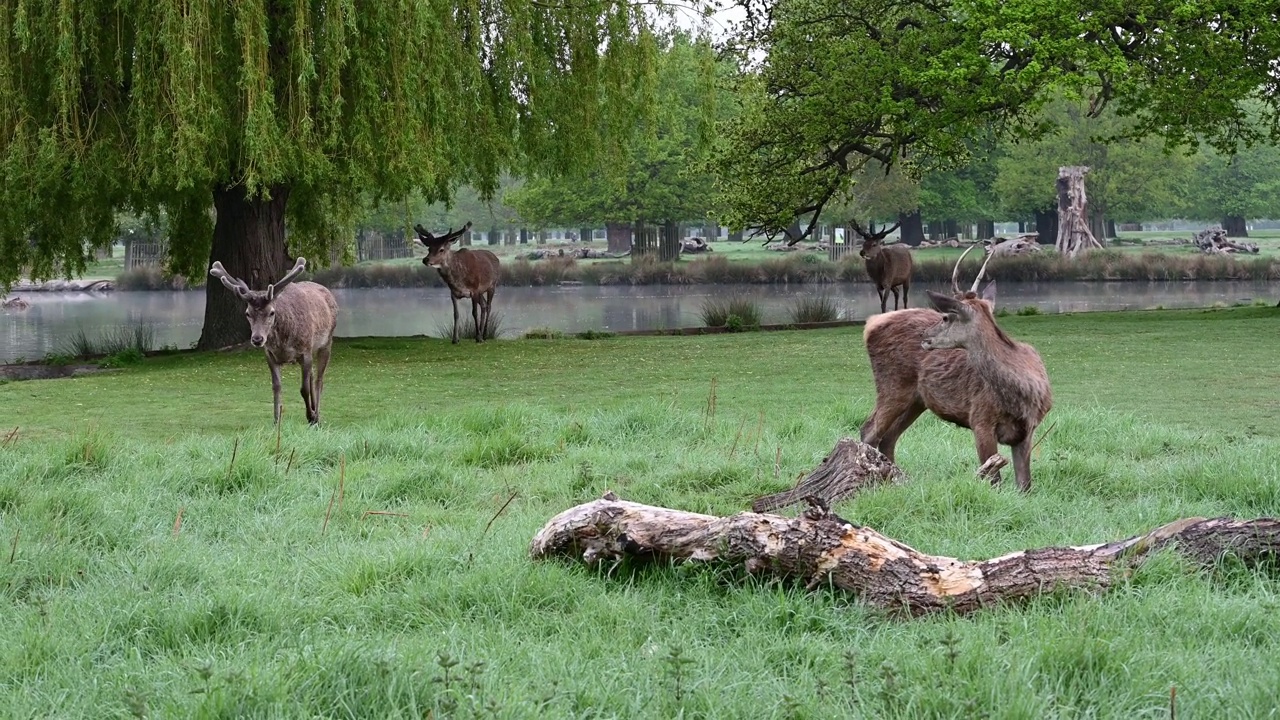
(889, 267)
(292, 322)
(958, 363)
(468, 273)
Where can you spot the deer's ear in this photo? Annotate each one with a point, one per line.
(944, 303)
(989, 293)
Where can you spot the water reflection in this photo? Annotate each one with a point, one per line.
(177, 316)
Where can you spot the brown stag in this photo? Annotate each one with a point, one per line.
(292, 322)
(956, 362)
(888, 266)
(468, 273)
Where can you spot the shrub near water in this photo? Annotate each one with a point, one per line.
(735, 313)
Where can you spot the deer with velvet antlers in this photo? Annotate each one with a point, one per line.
(468, 273)
(956, 362)
(292, 322)
(888, 266)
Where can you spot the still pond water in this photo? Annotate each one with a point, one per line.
(176, 316)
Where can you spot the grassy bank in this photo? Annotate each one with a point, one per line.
(933, 265)
(273, 599)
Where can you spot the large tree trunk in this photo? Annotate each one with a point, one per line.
(910, 228)
(618, 236)
(585, 234)
(669, 242)
(248, 239)
(645, 241)
(1074, 235)
(820, 548)
(1235, 227)
(986, 229)
(1047, 226)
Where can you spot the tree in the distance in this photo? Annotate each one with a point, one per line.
(1231, 190)
(655, 176)
(275, 112)
(836, 84)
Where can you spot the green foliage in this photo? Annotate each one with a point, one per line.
(815, 308)
(331, 104)
(1128, 179)
(650, 176)
(834, 85)
(1246, 185)
(734, 313)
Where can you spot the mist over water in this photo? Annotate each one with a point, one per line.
(177, 316)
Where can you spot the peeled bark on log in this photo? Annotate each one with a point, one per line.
(821, 548)
(850, 467)
(1214, 240)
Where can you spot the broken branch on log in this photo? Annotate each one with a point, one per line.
(851, 466)
(818, 547)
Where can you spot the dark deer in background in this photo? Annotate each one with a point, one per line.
(958, 363)
(889, 267)
(468, 273)
(292, 322)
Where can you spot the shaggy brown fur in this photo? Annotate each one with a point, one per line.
(959, 364)
(292, 322)
(890, 267)
(468, 273)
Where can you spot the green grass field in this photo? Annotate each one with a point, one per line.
(273, 599)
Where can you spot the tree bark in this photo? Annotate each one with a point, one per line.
(669, 242)
(849, 468)
(618, 236)
(585, 234)
(1109, 230)
(248, 239)
(645, 242)
(986, 229)
(821, 548)
(1235, 226)
(950, 229)
(910, 228)
(1047, 226)
(1074, 235)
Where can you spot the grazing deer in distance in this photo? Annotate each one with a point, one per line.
(292, 322)
(956, 362)
(889, 267)
(468, 273)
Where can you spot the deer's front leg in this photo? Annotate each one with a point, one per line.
(454, 298)
(1022, 464)
(986, 441)
(312, 416)
(275, 390)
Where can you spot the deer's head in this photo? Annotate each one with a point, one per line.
(961, 311)
(873, 241)
(259, 304)
(439, 248)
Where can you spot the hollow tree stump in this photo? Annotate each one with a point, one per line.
(819, 548)
(850, 467)
(1074, 235)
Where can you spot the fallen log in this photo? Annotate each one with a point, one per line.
(820, 548)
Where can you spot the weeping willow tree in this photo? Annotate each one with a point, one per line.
(237, 120)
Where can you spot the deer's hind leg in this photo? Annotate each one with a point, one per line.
(455, 318)
(476, 314)
(905, 287)
(487, 309)
(894, 290)
(882, 429)
(317, 380)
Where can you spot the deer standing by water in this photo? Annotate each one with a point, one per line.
(956, 362)
(889, 267)
(292, 322)
(468, 273)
